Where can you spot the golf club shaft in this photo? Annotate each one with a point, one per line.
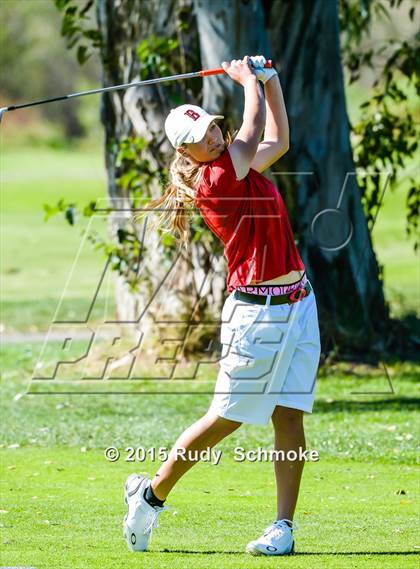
(202, 73)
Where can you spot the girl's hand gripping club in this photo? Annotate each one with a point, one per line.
(267, 65)
(202, 73)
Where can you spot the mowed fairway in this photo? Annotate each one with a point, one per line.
(64, 509)
(62, 501)
(41, 260)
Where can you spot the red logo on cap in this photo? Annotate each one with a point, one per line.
(192, 114)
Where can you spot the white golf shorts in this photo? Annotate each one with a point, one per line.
(270, 356)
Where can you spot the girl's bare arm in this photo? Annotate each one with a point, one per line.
(275, 142)
(243, 148)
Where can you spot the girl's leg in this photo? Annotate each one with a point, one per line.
(203, 434)
(289, 435)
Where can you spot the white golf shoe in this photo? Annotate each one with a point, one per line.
(141, 517)
(277, 539)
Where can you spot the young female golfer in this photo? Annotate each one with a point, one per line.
(270, 334)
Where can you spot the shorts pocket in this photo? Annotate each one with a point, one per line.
(237, 321)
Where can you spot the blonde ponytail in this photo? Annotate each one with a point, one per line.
(177, 202)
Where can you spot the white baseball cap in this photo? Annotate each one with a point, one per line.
(187, 123)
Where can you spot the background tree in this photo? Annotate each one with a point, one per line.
(159, 43)
(324, 198)
(34, 60)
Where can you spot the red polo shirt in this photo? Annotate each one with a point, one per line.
(250, 218)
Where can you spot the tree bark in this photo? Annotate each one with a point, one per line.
(316, 177)
(228, 30)
(196, 283)
(323, 195)
(119, 29)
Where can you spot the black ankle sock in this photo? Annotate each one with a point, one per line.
(290, 524)
(151, 498)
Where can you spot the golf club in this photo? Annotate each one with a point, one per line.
(192, 75)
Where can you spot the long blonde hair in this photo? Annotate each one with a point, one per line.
(178, 200)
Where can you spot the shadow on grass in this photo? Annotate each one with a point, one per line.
(324, 553)
(391, 404)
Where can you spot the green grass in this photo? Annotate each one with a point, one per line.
(396, 252)
(375, 407)
(38, 256)
(62, 501)
(392, 247)
(64, 509)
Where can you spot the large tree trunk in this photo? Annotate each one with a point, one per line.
(224, 30)
(120, 29)
(304, 40)
(141, 112)
(320, 187)
(228, 30)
